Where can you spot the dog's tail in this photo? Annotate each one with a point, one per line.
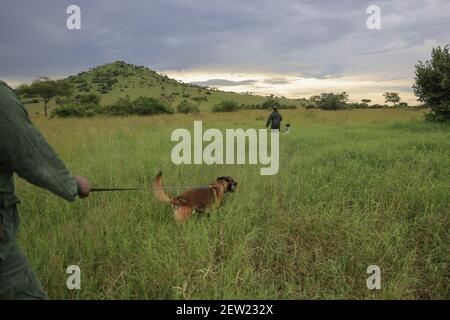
(158, 189)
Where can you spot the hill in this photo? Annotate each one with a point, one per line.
(118, 79)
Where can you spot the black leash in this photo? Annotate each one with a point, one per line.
(116, 189)
(146, 189)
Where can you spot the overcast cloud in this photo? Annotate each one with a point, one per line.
(291, 47)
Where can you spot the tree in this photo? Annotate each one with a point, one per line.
(432, 84)
(332, 101)
(392, 97)
(344, 97)
(46, 89)
(366, 101)
(270, 103)
(315, 99)
(22, 91)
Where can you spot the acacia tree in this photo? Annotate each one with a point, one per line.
(315, 99)
(392, 97)
(270, 103)
(333, 101)
(46, 89)
(432, 84)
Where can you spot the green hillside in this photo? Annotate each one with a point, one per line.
(118, 79)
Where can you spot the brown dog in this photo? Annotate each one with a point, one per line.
(194, 199)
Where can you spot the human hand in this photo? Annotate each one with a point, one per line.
(83, 186)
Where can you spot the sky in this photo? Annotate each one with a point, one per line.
(293, 48)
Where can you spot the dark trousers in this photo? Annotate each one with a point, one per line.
(18, 281)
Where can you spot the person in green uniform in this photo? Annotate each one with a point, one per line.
(24, 151)
(274, 119)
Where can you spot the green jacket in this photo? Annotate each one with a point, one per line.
(274, 118)
(23, 150)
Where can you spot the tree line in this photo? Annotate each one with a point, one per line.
(432, 88)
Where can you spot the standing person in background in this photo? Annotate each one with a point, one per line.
(24, 151)
(274, 119)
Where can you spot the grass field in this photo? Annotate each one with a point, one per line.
(355, 188)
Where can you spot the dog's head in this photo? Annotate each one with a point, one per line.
(231, 185)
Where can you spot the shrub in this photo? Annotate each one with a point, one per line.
(83, 86)
(79, 80)
(286, 106)
(226, 106)
(270, 103)
(331, 101)
(121, 107)
(187, 107)
(200, 98)
(75, 109)
(141, 106)
(439, 113)
(259, 106)
(88, 98)
(110, 82)
(432, 85)
(84, 99)
(357, 105)
(81, 106)
(146, 106)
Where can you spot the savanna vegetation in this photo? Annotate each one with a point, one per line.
(118, 86)
(432, 85)
(355, 188)
(358, 185)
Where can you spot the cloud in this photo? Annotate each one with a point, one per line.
(319, 39)
(223, 82)
(277, 81)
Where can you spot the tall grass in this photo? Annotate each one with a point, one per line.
(355, 188)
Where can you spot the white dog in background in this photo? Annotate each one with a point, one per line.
(287, 128)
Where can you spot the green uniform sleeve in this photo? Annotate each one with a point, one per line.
(27, 153)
